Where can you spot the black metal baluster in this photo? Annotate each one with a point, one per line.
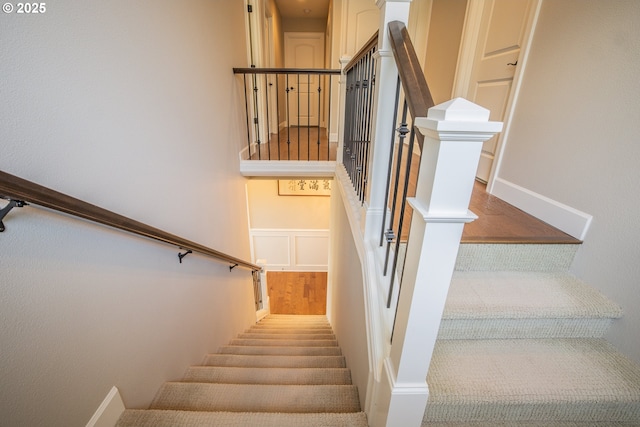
(319, 115)
(278, 114)
(256, 121)
(308, 90)
(329, 120)
(390, 168)
(288, 122)
(371, 91)
(357, 126)
(246, 110)
(347, 127)
(266, 90)
(403, 130)
(401, 219)
(298, 89)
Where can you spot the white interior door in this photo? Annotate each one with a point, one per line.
(303, 50)
(504, 26)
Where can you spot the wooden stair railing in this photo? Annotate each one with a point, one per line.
(20, 191)
(401, 182)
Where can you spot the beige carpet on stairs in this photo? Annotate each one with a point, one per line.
(285, 371)
(522, 343)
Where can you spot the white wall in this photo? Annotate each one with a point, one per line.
(267, 209)
(133, 107)
(290, 232)
(345, 295)
(574, 139)
(445, 33)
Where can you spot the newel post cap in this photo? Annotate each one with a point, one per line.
(459, 110)
(458, 114)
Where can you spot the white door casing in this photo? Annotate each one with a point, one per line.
(304, 50)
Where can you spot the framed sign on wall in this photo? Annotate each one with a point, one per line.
(304, 187)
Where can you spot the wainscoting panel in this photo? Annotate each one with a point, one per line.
(291, 250)
(274, 248)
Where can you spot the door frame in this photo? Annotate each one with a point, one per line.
(466, 57)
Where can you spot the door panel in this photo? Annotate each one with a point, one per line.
(304, 50)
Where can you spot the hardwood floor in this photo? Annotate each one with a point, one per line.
(293, 292)
(500, 222)
(297, 143)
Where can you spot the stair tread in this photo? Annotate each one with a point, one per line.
(268, 336)
(284, 343)
(257, 398)
(169, 418)
(260, 375)
(288, 330)
(513, 295)
(275, 361)
(537, 369)
(282, 351)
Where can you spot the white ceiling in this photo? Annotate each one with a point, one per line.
(295, 8)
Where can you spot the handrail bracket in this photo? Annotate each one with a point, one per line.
(12, 204)
(180, 256)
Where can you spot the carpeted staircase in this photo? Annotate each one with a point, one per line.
(286, 371)
(521, 344)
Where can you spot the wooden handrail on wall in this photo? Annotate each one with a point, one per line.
(17, 188)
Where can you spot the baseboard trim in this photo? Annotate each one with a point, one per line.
(109, 411)
(572, 221)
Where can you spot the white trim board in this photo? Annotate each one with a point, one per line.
(278, 168)
(572, 221)
(109, 411)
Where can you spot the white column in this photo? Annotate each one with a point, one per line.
(342, 81)
(454, 133)
(382, 126)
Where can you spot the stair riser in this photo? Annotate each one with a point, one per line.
(276, 361)
(319, 376)
(159, 418)
(265, 330)
(593, 413)
(473, 329)
(266, 336)
(285, 343)
(515, 257)
(257, 398)
(281, 351)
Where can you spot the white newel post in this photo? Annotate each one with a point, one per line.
(382, 126)
(454, 132)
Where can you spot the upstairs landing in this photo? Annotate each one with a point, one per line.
(500, 222)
